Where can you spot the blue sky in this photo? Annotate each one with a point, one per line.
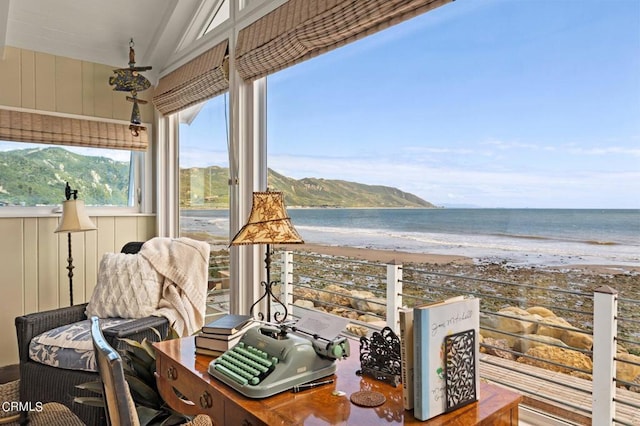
(492, 103)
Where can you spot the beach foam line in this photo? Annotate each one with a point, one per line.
(376, 255)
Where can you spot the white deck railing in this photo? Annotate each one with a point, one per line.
(598, 401)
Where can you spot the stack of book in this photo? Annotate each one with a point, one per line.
(221, 334)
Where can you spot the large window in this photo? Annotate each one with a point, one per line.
(462, 112)
(524, 130)
(204, 173)
(34, 175)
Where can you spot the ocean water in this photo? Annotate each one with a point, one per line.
(551, 237)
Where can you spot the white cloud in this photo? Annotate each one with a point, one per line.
(203, 157)
(486, 188)
(609, 150)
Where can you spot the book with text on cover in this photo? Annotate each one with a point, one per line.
(431, 325)
(227, 324)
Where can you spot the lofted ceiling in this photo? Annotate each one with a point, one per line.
(99, 30)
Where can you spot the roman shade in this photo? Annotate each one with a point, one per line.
(21, 126)
(301, 29)
(198, 80)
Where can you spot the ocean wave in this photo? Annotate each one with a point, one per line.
(523, 251)
(552, 240)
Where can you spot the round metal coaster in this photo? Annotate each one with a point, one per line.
(368, 398)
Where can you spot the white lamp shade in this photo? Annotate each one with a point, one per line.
(74, 218)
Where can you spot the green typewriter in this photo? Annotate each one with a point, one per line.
(268, 360)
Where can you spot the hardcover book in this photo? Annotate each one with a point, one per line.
(406, 356)
(227, 324)
(431, 325)
(208, 352)
(225, 337)
(221, 345)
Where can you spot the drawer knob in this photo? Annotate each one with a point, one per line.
(172, 373)
(205, 400)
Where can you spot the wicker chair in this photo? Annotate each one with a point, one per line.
(43, 383)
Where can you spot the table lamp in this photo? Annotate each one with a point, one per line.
(268, 224)
(74, 219)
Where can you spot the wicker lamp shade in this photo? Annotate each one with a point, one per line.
(268, 222)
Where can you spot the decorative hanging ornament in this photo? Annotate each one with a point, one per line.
(130, 80)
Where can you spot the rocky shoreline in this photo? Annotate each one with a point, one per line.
(520, 320)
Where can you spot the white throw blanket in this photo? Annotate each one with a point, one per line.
(184, 264)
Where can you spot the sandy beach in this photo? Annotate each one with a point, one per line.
(393, 256)
(382, 256)
(582, 277)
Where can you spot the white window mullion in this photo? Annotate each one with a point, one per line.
(167, 174)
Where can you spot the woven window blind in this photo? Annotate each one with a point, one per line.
(198, 80)
(301, 29)
(22, 126)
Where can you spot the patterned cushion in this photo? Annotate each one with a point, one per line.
(69, 346)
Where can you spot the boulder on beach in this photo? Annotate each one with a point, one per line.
(568, 360)
(553, 326)
(335, 295)
(539, 310)
(624, 370)
(358, 330)
(577, 339)
(305, 293)
(372, 319)
(489, 334)
(365, 301)
(517, 321)
(304, 303)
(498, 347)
(529, 341)
(560, 328)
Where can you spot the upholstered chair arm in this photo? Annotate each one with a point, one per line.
(30, 325)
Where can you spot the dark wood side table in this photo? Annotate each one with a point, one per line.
(179, 368)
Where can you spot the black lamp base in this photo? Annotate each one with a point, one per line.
(70, 269)
(278, 317)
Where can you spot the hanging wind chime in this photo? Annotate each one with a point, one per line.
(130, 80)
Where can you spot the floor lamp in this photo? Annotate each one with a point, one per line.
(74, 219)
(268, 224)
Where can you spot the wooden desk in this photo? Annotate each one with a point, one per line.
(178, 367)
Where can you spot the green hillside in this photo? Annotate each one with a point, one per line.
(37, 177)
(316, 192)
(307, 192)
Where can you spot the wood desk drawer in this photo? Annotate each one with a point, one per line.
(234, 415)
(196, 396)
